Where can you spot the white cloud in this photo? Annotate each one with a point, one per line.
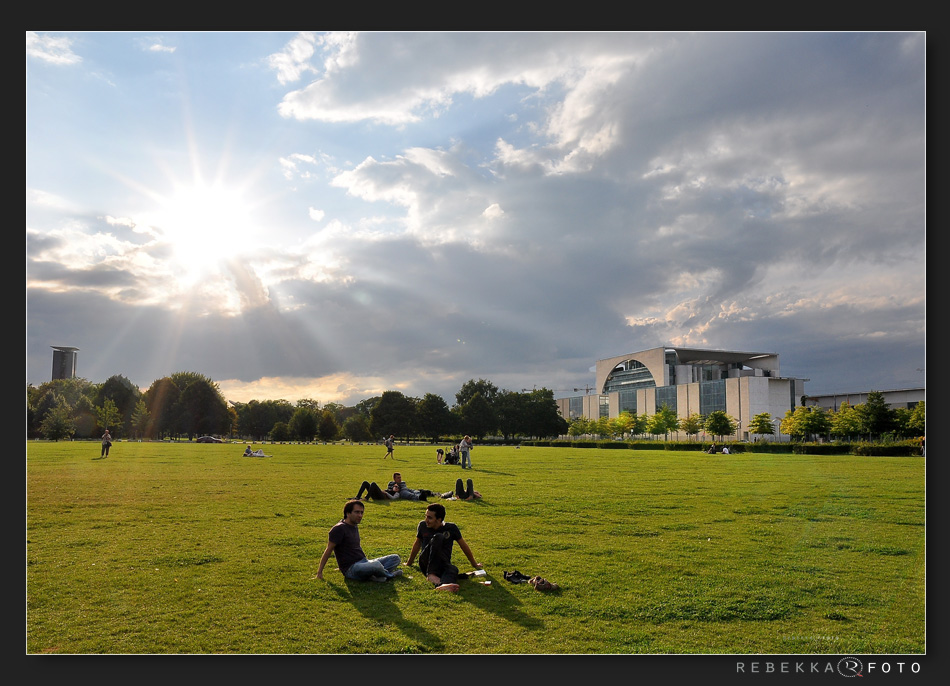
(51, 49)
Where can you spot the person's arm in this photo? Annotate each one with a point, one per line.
(326, 556)
(468, 553)
(412, 553)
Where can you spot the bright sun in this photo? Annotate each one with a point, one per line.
(205, 226)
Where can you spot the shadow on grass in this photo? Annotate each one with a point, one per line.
(381, 606)
(498, 600)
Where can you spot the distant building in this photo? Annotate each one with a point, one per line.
(901, 398)
(64, 362)
(689, 381)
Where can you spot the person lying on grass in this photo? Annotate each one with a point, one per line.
(462, 493)
(434, 537)
(344, 543)
(397, 489)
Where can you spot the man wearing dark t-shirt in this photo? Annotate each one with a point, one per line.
(344, 543)
(434, 537)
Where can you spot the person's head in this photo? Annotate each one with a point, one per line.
(353, 512)
(435, 515)
(397, 477)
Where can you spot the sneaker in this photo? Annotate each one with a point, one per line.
(379, 578)
(397, 572)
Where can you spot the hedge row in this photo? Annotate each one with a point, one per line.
(903, 449)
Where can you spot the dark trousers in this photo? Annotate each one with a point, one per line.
(463, 493)
(440, 564)
(373, 491)
(105, 450)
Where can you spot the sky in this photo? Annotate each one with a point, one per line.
(329, 216)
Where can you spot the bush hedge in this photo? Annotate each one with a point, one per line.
(903, 449)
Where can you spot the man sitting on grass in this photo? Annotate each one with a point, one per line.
(344, 543)
(434, 538)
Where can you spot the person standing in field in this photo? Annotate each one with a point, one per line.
(344, 543)
(106, 444)
(390, 443)
(465, 451)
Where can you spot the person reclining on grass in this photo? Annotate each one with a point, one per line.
(434, 538)
(466, 493)
(344, 542)
(397, 489)
(253, 453)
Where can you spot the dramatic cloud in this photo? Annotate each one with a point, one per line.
(335, 215)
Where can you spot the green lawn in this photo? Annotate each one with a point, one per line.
(182, 548)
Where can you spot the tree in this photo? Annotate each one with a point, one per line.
(663, 422)
(433, 417)
(161, 401)
(579, 426)
(279, 432)
(720, 424)
(393, 414)
(125, 395)
(692, 424)
(622, 424)
(140, 419)
(476, 416)
(303, 424)
(58, 422)
(327, 429)
(877, 418)
(541, 416)
(814, 421)
(846, 422)
(203, 411)
(761, 424)
(510, 413)
(917, 422)
(489, 393)
(356, 428)
(109, 417)
(84, 417)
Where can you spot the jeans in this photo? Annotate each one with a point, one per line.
(466, 459)
(373, 491)
(381, 566)
(440, 555)
(463, 493)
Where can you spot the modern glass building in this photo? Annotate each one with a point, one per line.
(689, 381)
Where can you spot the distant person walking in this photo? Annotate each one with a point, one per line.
(390, 443)
(465, 451)
(106, 444)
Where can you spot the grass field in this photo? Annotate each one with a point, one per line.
(180, 548)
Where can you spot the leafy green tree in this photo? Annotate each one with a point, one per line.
(84, 417)
(327, 429)
(664, 422)
(692, 424)
(622, 424)
(279, 432)
(877, 418)
(815, 421)
(356, 429)
(393, 414)
(476, 417)
(720, 424)
(203, 411)
(917, 422)
(846, 422)
(579, 426)
(256, 419)
(309, 404)
(140, 420)
(109, 417)
(511, 413)
(488, 422)
(125, 395)
(161, 401)
(58, 422)
(433, 417)
(304, 423)
(541, 416)
(761, 425)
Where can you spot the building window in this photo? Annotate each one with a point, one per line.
(576, 408)
(666, 395)
(629, 375)
(604, 406)
(712, 397)
(628, 401)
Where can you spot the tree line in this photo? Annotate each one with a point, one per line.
(871, 420)
(189, 404)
